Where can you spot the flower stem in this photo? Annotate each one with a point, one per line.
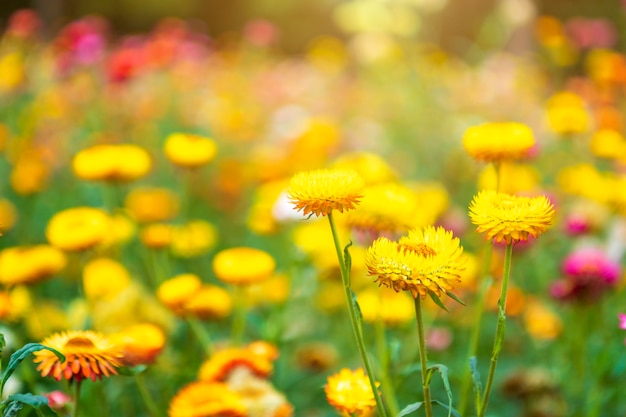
(355, 318)
(475, 336)
(76, 397)
(500, 329)
(153, 410)
(423, 357)
(239, 319)
(383, 357)
(201, 334)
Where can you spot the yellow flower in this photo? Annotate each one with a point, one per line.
(274, 290)
(206, 399)
(209, 302)
(243, 265)
(30, 173)
(350, 392)
(498, 141)
(189, 150)
(140, 343)
(322, 191)
(12, 73)
(8, 215)
(221, 363)
(514, 178)
(88, 354)
(394, 308)
(157, 235)
(506, 218)
(567, 114)
(193, 238)
(30, 264)
(78, 228)
(426, 261)
(108, 162)
(104, 278)
(176, 291)
(608, 143)
(541, 322)
(371, 167)
(147, 205)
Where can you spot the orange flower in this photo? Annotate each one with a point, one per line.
(88, 354)
(148, 205)
(140, 343)
(218, 366)
(206, 399)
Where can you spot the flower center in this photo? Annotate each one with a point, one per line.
(79, 342)
(420, 249)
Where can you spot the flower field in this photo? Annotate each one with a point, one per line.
(199, 226)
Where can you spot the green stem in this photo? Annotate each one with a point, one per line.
(354, 317)
(201, 334)
(153, 410)
(500, 330)
(383, 356)
(423, 357)
(77, 385)
(238, 329)
(475, 336)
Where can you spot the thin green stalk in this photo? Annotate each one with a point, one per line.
(354, 318)
(479, 310)
(423, 357)
(500, 330)
(238, 329)
(201, 334)
(383, 357)
(77, 384)
(153, 409)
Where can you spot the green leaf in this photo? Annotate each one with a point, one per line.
(20, 355)
(478, 386)
(11, 408)
(443, 371)
(451, 411)
(3, 343)
(437, 300)
(410, 408)
(357, 307)
(38, 402)
(455, 298)
(347, 260)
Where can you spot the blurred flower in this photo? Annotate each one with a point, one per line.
(316, 356)
(371, 168)
(622, 321)
(393, 308)
(589, 273)
(515, 301)
(567, 114)
(221, 363)
(189, 150)
(261, 32)
(140, 343)
(608, 143)
(104, 279)
(507, 218)
(30, 173)
(148, 205)
(426, 261)
(78, 228)
(438, 338)
(322, 191)
(258, 394)
(206, 399)
(5, 305)
(176, 291)
(498, 141)
(209, 302)
(12, 71)
(274, 290)
(193, 238)
(585, 180)
(8, 215)
(88, 354)
(157, 235)
(112, 162)
(23, 24)
(540, 322)
(350, 392)
(609, 117)
(30, 264)
(513, 179)
(243, 265)
(57, 400)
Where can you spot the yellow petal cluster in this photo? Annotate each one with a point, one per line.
(350, 392)
(498, 141)
(189, 150)
(506, 218)
(206, 399)
(322, 191)
(112, 162)
(428, 260)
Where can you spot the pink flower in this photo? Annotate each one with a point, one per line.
(622, 321)
(57, 399)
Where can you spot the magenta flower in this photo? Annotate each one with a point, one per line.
(622, 321)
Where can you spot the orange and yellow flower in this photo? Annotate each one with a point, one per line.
(88, 354)
(350, 392)
(506, 218)
(30, 264)
(322, 191)
(206, 399)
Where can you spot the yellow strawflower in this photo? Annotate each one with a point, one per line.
(322, 191)
(498, 141)
(506, 218)
(350, 392)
